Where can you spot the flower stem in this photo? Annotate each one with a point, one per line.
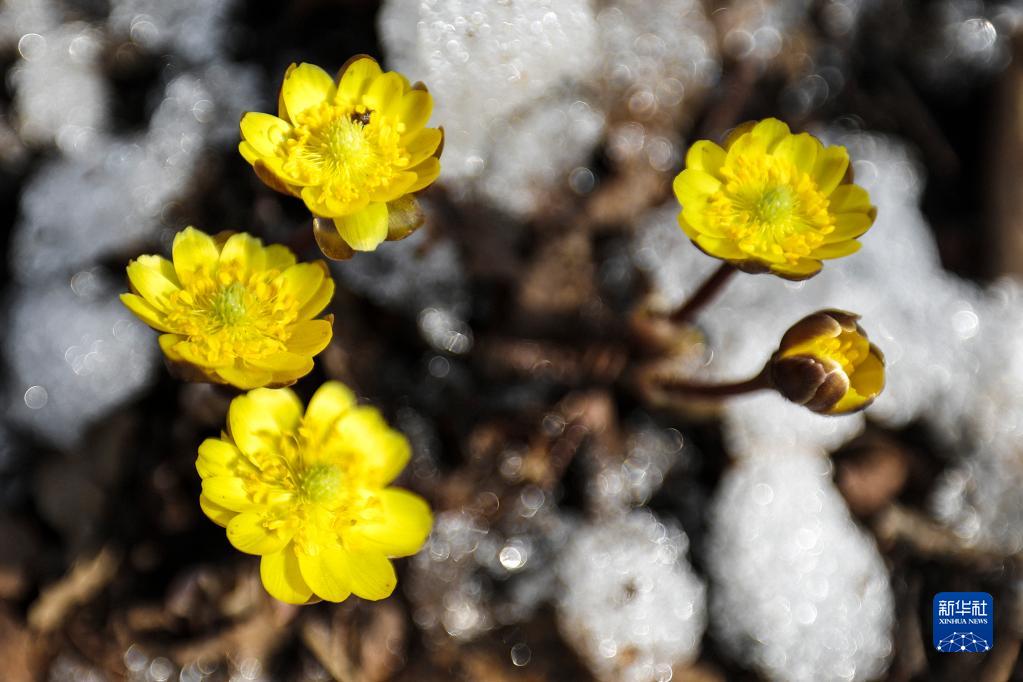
(710, 287)
(695, 390)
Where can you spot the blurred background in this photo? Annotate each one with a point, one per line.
(584, 531)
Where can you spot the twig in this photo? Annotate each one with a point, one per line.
(1001, 661)
(330, 652)
(85, 580)
(928, 539)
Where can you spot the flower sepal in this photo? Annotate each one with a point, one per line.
(404, 217)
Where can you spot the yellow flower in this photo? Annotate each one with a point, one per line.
(349, 150)
(309, 493)
(772, 201)
(233, 311)
(826, 363)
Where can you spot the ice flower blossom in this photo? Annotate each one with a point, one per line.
(309, 493)
(771, 201)
(233, 311)
(354, 151)
(826, 363)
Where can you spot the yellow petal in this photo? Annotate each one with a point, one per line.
(399, 528)
(169, 346)
(398, 186)
(801, 150)
(832, 164)
(695, 216)
(769, 133)
(802, 269)
(302, 281)
(288, 363)
(245, 250)
(217, 514)
(849, 198)
(318, 301)
(422, 145)
(384, 451)
(248, 152)
(248, 533)
(193, 251)
(363, 231)
(228, 492)
(219, 458)
(146, 312)
(320, 203)
(244, 377)
(263, 132)
(327, 573)
(868, 378)
(426, 173)
(848, 226)
(282, 577)
(836, 249)
(283, 379)
(187, 350)
(738, 132)
(257, 419)
(414, 110)
(271, 172)
(154, 279)
(355, 80)
(384, 92)
(694, 187)
(310, 337)
(852, 401)
(705, 156)
(278, 257)
(372, 575)
(687, 226)
(331, 400)
(720, 248)
(282, 110)
(305, 86)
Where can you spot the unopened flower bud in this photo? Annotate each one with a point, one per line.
(826, 363)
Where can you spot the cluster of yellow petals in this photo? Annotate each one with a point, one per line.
(310, 494)
(233, 311)
(826, 362)
(349, 150)
(772, 201)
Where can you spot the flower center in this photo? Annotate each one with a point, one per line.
(349, 152)
(322, 483)
(770, 209)
(229, 305)
(776, 205)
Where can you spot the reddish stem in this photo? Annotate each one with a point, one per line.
(702, 296)
(758, 383)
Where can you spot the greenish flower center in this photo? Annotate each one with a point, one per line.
(322, 483)
(230, 304)
(776, 204)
